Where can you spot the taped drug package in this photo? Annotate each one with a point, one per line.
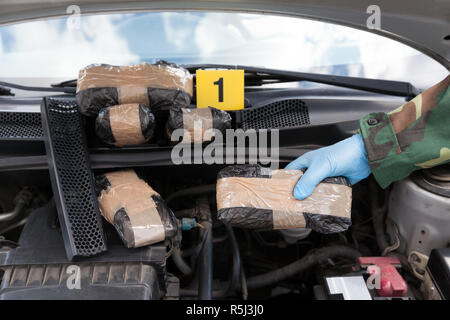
(138, 213)
(197, 123)
(254, 197)
(125, 124)
(156, 85)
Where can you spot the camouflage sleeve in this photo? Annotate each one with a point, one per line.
(416, 135)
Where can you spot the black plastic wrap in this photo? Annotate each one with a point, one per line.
(131, 124)
(210, 118)
(138, 213)
(221, 119)
(326, 223)
(167, 216)
(164, 99)
(91, 100)
(247, 217)
(254, 197)
(245, 171)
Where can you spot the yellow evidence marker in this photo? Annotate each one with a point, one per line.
(221, 89)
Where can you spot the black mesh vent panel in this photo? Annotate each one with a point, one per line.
(20, 125)
(72, 178)
(276, 115)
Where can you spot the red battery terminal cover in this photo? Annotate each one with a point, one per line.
(391, 282)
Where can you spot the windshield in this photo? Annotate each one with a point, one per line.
(58, 48)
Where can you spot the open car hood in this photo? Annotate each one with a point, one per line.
(424, 25)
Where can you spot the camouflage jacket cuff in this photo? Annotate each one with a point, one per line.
(382, 148)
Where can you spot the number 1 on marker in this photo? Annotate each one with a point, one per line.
(220, 84)
(221, 89)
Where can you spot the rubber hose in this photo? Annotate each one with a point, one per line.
(205, 267)
(6, 216)
(22, 199)
(378, 214)
(235, 276)
(301, 265)
(207, 188)
(236, 269)
(180, 263)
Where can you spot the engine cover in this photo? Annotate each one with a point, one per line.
(39, 269)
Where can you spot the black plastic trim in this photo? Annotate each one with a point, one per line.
(72, 179)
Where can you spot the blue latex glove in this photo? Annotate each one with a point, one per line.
(347, 158)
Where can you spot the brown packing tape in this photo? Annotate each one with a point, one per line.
(196, 122)
(288, 220)
(133, 94)
(276, 193)
(126, 124)
(147, 226)
(135, 196)
(140, 76)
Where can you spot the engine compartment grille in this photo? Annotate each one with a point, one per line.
(281, 114)
(72, 178)
(20, 125)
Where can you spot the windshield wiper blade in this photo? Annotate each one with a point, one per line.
(30, 88)
(67, 83)
(389, 87)
(5, 92)
(256, 76)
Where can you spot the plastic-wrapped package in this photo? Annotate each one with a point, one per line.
(201, 119)
(254, 197)
(155, 85)
(138, 213)
(125, 124)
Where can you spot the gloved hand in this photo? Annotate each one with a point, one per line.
(346, 158)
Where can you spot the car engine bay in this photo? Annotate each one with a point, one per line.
(402, 229)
